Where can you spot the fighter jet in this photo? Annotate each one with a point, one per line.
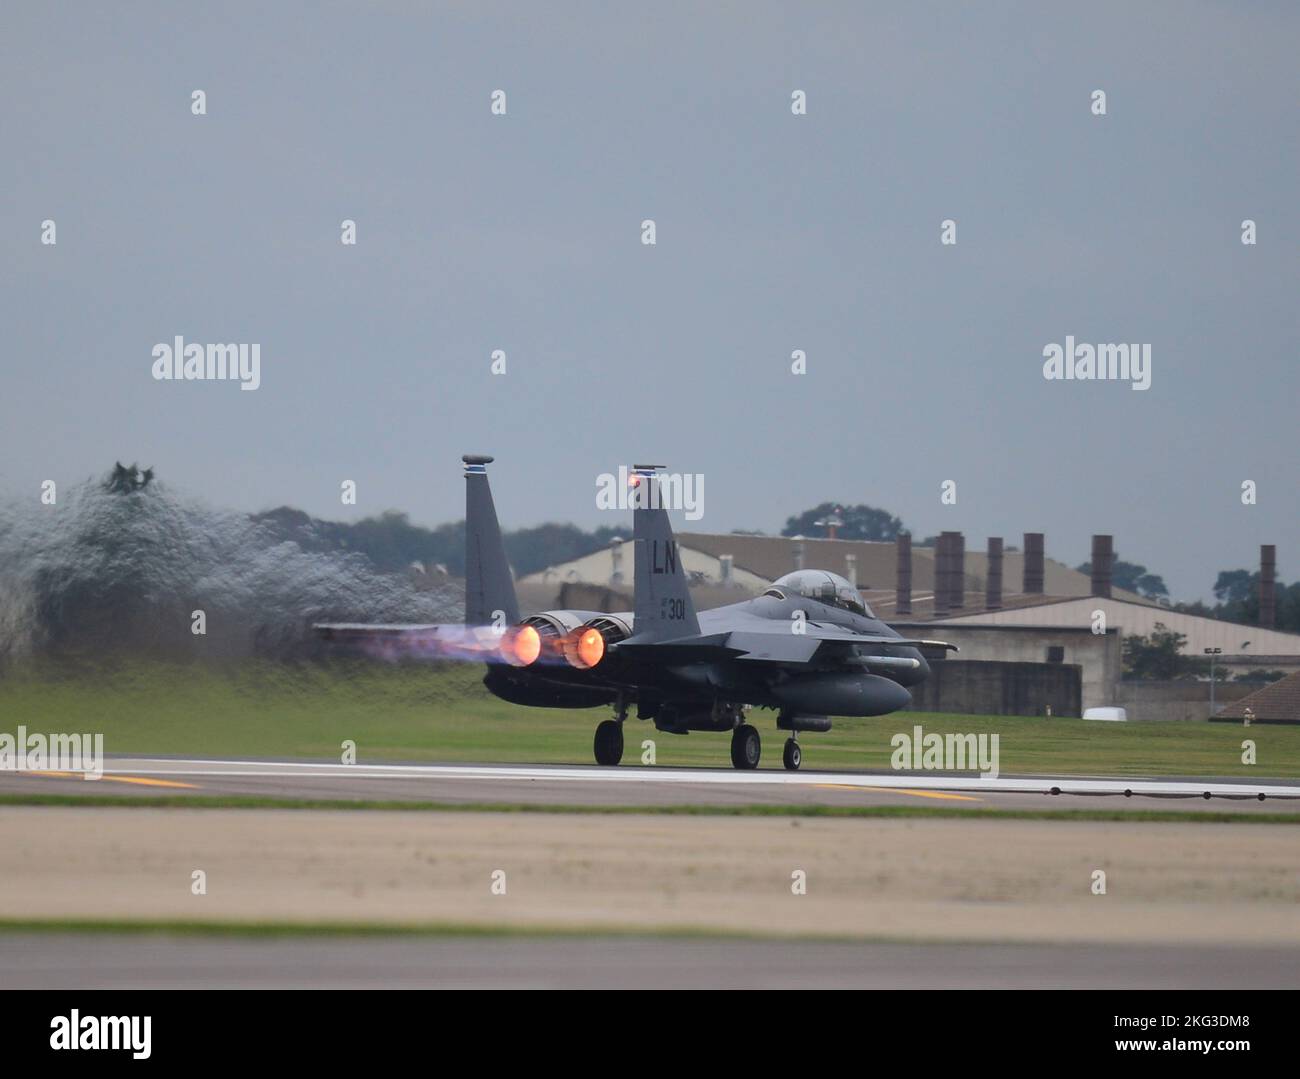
(808, 647)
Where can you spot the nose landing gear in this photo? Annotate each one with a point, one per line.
(794, 722)
(791, 756)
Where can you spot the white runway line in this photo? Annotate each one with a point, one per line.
(593, 774)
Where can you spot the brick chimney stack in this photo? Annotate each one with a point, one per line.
(993, 579)
(957, 572)
(1103, 561)
(903, 577)
(942, 573)
(1267, 585)
(1033, 564)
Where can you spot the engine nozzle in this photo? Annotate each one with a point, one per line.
(521, 645)
(584, 648)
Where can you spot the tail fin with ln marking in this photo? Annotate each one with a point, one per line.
(662, 603)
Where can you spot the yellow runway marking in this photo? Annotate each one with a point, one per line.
(151, 782)
(944, 795)
(141, 780)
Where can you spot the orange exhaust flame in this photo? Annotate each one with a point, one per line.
(591, 647)
(584, 648)
(522, 647)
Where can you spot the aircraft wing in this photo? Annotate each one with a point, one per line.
(783, 646)
(778, 645)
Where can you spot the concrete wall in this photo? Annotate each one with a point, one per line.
(1000, 689)
(1162, 702)
(1098, 655)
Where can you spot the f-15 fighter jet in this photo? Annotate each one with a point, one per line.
(808, 647)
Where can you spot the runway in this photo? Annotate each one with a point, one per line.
(131, 961)
(594, 786)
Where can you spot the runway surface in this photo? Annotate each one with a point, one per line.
(591, 785)
(88, 961)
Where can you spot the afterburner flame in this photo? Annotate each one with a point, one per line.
(584, 648)
(524, 646)
(519, 646)
(591, 647)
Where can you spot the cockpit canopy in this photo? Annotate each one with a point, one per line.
(824, 587)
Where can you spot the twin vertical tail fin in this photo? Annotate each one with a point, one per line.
(489, 589)
(662, 604)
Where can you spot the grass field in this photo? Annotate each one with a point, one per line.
(428, 713)
(239, 801)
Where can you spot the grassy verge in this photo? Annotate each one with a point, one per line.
(415, 713)
(313, 930)
(240, 801)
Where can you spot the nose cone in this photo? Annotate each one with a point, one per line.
(885, 696)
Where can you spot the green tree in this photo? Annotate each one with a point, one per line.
(1237, 591)
(1160, 656)
(1133, 578)
(1260, 676)
(1236, 586)
(392, 542)
(533, 549)
(859, 522)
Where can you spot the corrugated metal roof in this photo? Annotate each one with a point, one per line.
(1278, 700)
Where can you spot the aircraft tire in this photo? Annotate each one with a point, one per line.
(609, 743)
(746, 747)
(791, 756)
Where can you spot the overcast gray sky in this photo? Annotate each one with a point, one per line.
(775, 232)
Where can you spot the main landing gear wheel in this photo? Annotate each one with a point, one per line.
(609, 743)
(791, 757)
(746, 747)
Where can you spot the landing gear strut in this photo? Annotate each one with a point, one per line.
(791, 756)
(746, 747)
(609, 743)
